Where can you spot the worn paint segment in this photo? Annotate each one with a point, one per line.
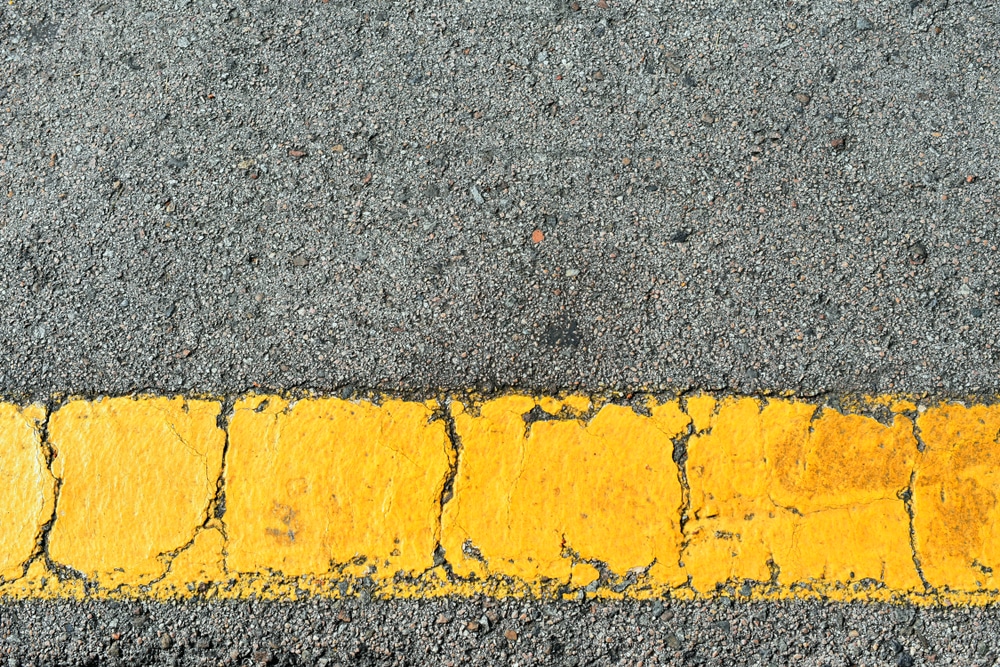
(956, 499)
(789, 494)
(328, 486)
(890, 498)
(137, 480)
(535, 500)
(27, 488)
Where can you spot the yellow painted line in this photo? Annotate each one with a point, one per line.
(882, 498)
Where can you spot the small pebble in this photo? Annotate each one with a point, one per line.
(476, 195)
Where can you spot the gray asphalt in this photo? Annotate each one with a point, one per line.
(412, 197)
(489, 632)
(204, 196)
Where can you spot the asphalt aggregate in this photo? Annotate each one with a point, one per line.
(416, 197)
(754, 196)
(491, 632)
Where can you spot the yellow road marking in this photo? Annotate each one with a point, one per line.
(893, 498)
(27, 491)
(815, 500)
(328, 485)
(532, 502)
(137, 480)
(956, 493)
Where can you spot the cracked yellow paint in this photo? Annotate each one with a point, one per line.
(532, 499)
(957, 497)
(779, 496)
(137, 480)
(894, 403)
(537, 496)
(578, 404)
(584, 574)
(26, 487)
(575, 405)
(550, 405)
(196, 565)
(328, 485)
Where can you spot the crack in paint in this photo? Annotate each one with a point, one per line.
(42, 536)
(454, 443)
(41, 552)
(215, 511)
(679, 457)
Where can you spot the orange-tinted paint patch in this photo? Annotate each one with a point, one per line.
(956, 493)
(780, 498)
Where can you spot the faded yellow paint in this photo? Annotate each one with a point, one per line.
(547, 496)
(532, 499)
(26, 487)
(779, 497)
(327, 485)
(137, 480)
(957, 497)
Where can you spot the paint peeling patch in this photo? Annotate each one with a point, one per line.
(606, 486)
(137, 477)
(328, 485)
(27, 488)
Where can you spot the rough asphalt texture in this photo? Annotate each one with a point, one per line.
(212, 196)
(751, 196)
(489, 632)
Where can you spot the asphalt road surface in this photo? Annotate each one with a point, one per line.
(415, 197)
(489, 632)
